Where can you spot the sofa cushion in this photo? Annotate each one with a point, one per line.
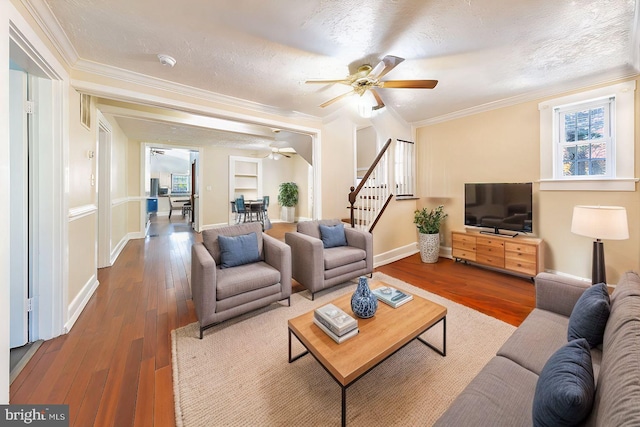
(629, 284)
(618, 391)
(238, 250)
(540, 335)
(312, 228)
(342, 255)
(244, 278)
(500, 395)
(589, 316)
(333, 235)
(210, 237)
(565, 390)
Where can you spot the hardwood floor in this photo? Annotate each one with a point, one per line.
(114, 367)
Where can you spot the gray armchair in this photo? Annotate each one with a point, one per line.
(316, 267)
(222, 293)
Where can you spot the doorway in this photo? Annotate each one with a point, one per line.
(36, 194)
(170, 180)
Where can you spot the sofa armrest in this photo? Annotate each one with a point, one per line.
(278, 255)
(307, 260)
(203, 281)
(363, 240)
(558, 294)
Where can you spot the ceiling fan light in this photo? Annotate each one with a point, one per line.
(277, 156)
(365, 105)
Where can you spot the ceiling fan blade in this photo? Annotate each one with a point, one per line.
(336, 99)
(326, 82)
(387, 64)
(376, 95)
(409, 84)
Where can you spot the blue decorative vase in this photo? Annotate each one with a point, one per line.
(363, 302)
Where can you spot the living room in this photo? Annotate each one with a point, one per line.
(497, 142)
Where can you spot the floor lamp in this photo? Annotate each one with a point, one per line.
(600, 223)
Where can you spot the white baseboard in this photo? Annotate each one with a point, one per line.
(80, 301)
(395, 254)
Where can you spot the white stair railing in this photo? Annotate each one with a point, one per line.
(373, 193)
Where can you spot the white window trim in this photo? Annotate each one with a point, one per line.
(623, 179)
(404, 159)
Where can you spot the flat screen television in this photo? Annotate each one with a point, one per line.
(499, 206)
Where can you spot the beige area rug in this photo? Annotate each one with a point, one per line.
(239, 374)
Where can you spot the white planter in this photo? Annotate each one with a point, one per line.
(429, 245)
(288, 214)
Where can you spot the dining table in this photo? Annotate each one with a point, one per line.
(252, 207)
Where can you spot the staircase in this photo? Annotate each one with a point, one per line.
(369, 200)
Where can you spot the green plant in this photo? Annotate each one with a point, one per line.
(288, 194)
(428, 221)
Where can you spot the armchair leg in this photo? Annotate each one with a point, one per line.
(201, 332)
(312, 296)
(288, 301)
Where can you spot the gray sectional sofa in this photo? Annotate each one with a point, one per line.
(502, 394)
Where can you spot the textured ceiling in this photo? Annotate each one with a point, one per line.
(481, 52)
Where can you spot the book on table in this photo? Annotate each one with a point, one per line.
(335, 319)
(392, 296)
(352, 333)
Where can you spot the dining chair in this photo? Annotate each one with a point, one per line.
(241, 210)
(265, 205)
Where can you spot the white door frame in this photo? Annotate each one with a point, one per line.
(19, 209)
(103, 190)
(145, 175)
(50, 159)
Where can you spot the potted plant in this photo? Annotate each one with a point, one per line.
(428, 224)
(288, 199)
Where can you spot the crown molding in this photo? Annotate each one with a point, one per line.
(51, 26)
(45, 18)
(182, 90)
(621, 73)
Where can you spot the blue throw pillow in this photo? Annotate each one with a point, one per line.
(238, 250)
(333, 235)
(565, 389)
(590, 314)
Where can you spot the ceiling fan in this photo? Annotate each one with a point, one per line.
(368, 78)
(277, 154)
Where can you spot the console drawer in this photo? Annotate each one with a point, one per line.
(469, 255)
(494, 260)
(520, 266)
(490, 241)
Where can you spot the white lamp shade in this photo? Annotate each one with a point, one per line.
(600, 222)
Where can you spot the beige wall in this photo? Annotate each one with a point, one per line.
(503, 145)
(81, 167)
(367, 148)
(119, 184)
(82, 194)
(337, 166)
(275, 172)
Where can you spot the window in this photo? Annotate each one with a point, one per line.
(180, 183)
(587, 140)
(405, 176)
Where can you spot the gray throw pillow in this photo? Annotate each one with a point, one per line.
(333, 235)
(238, 250)
(590, 314)
(565, 389)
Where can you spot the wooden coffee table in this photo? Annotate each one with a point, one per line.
(379, 338)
